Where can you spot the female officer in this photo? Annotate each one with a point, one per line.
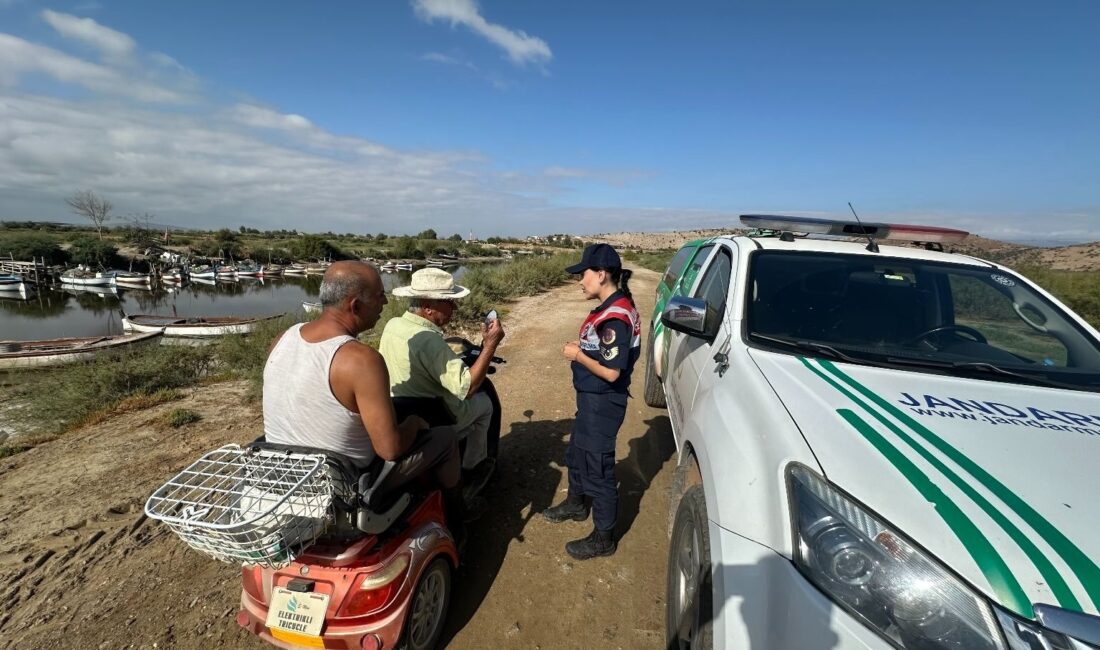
(602, 360)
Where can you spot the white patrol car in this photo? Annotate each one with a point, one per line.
(879, 447)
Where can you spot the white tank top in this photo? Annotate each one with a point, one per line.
(299, 407)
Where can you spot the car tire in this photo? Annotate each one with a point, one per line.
(689, 612)
(428, 607)
(654, 393)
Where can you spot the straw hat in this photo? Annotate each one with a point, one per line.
(432, 284)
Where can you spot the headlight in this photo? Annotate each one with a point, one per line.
(880, 577)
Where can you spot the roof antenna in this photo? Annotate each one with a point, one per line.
(871, 245)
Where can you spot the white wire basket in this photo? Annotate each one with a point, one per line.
(247, 506)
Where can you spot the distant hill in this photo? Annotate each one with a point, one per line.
(1078, 257)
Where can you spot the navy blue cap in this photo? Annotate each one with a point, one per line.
(597, 256)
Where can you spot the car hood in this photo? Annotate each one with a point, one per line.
(1018, 461)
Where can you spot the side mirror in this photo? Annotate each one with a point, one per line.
(687, 315)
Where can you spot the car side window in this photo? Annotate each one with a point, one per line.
(692, 270)
(714, 288)
(679, 260)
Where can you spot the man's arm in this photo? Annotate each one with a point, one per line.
(491, 336)
(359, 372)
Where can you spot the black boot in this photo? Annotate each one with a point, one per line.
(574, 508)
(598, 544)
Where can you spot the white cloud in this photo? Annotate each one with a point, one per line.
(520, 47)
(19, 57)
(111, 43)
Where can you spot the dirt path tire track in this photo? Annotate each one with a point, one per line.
(81, 567)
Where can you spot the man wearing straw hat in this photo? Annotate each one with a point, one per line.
(421, 364)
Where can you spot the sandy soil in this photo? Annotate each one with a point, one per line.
(81, 567)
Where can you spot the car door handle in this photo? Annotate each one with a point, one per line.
(722, 359)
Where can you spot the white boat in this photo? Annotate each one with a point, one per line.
(249, 270)
(223, 272)
(316, 269)
(273, 270)
(435, 264)
(388, 268)
(204, 272)
(311, 307)
(16, 285)
(196, 326)
(297, 270)
(174, 275)
(130, 278)
(200, 280)
(53, 352)
(403, 267)
(85, 278)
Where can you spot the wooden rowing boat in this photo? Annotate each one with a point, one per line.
(54, 352)
(192, 326)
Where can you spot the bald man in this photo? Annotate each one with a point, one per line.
(325, 389)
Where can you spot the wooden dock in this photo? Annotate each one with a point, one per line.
(35, 270)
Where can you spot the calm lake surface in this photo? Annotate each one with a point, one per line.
(72, 312)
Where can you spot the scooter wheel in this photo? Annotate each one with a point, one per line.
(428, 610)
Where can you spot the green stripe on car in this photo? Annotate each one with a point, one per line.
(991, 564)
(1083, 567)
(1054, 580)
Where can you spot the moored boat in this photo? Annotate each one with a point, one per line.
(174, 275)
(249, 270)
(130, 277)
(297, 270)
(195, 326)
(52, 352)
(311, 307)
(16, 285)
(203, 272)
(85, 278)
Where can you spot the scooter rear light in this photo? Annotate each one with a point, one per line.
(377, 589)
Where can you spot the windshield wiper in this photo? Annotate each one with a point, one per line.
(811, 346)
(984, 367)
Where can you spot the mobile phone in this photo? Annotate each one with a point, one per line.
(491, 316)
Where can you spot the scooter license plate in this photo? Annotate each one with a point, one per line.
(300, 614)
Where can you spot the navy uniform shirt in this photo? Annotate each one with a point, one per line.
(611, 347)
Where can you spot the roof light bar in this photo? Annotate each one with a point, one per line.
(853, 228)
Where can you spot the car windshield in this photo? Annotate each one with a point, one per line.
(918, 314)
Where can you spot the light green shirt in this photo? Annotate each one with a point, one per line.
(421, 364)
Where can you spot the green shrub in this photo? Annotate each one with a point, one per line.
(492, 286)
(1080, 290)
(25, 247)
(61, 398)
(94, 253)
(176, 418)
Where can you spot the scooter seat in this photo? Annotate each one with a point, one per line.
(357, 501)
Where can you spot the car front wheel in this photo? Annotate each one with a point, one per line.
(688, 613)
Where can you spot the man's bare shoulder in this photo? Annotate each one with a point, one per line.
(354, 352)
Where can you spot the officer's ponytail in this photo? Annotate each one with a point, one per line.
(621, 278)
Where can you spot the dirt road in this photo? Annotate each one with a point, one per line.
(80, 566)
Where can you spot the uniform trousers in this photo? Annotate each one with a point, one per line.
(590, 456)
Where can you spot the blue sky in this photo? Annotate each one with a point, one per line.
(523, 117)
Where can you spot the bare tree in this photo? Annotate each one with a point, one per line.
(91, 206)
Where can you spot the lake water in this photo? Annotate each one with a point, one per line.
(72, 312)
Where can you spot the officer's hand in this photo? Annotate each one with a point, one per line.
(492, 334)
(571, 350)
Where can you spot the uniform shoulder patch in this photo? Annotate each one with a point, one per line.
(609, 353)
(608, 336)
